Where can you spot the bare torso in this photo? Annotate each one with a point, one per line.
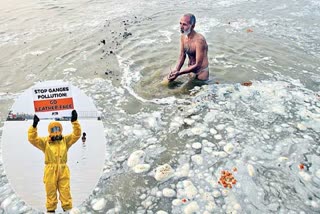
(194, 46)
(189, 46)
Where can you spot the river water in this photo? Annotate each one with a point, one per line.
(117, 52)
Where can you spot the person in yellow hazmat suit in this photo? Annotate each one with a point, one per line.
(55, 148)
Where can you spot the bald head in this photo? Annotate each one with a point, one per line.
(192, 18)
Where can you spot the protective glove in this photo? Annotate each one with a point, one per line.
(35, 121)
(74, 115)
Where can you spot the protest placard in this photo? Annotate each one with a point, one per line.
(53, 101)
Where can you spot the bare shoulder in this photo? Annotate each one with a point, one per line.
(201, 40)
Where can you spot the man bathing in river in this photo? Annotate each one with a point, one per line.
(195, 46)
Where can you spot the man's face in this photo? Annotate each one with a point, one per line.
(185, 26)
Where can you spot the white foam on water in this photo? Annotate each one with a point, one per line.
(163, 172)
(274, 98)
(129, 77)
(37, 52)
(228, 3)
(241, 24)
(34, 53)
(7, 96)
(298, 14)
(140, 168)
(148, 41)
(9, 38)
(68, 71)
(98, 204)
(281, 7)
(136, 158)
(205, 25)
(314, 2)
(167, 34)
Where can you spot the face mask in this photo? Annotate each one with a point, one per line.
(55, 131)
(56, 138)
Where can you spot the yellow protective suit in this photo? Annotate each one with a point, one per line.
(56, 172)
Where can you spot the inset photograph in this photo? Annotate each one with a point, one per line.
(53, 146)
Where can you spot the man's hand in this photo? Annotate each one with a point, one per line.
(173, 75)
(74, 115)
(35, 121)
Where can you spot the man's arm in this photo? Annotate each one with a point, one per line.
(200, 50)
(182, 56)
